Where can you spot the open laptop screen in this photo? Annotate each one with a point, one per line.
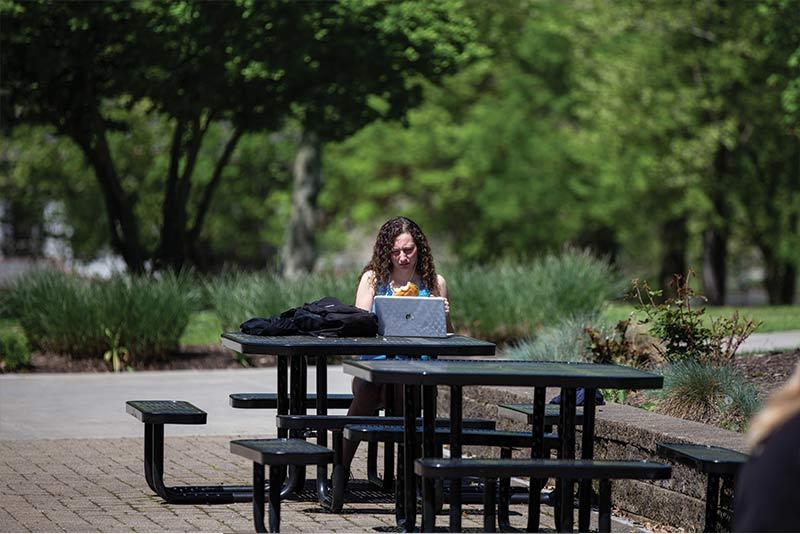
(411, 316)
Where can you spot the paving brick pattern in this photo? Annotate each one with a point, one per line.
(87, 485)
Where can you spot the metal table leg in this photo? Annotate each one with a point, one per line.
(429, 451)
(409, 446)
(537, 451)
(566, 430)
(455, 452)
(297, 402)
(587, 453)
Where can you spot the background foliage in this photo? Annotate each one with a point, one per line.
(659, 135)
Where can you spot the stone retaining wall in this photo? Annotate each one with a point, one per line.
(624, 432)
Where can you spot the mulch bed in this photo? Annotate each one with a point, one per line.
(769, 371)
(189, 357)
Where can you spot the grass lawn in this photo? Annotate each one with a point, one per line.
(773, 318)
(204, 328)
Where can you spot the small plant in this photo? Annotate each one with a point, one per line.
(681, 328)
(615, 395)
(117, 357)
(624, 346)
(15, 353)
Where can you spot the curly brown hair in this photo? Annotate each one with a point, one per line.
(381, 263)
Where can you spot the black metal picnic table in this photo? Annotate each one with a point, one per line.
(539, 375)
(292, 352)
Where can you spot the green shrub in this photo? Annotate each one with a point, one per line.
(68, 314)
(237, 297)
(705, 393)
(14, 351)
(513, 301)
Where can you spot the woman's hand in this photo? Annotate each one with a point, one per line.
(446, 307)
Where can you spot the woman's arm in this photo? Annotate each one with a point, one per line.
(443, 293)
(366, 291)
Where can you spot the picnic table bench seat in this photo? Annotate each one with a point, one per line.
(338, 422)
(261, 401)
(721, 466)
(276, 453)
(470, 436)
(491, 469)
(524, 414)
(157, 413)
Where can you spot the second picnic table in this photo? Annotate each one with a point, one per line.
(539, 375)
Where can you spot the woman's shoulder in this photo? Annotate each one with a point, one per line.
(368, 276)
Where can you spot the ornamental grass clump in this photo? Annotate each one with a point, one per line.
(708, 394)
(68, 314)
(565, 341)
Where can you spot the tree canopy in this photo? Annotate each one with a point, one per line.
(80, 67)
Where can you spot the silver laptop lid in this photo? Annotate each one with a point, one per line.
(411, 316)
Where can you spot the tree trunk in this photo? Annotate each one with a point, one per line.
(208, 192)
(715, 238)
(123, 228)
(175, 246)
(300, 251)
(780, 279)
(715, 253)
(674, 237)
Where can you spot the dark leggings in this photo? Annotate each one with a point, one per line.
(368, 398)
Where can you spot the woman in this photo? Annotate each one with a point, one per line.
(767, 497)
(401, 261)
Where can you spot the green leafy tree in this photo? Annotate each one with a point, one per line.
(483, 160)
(77, 66)
(362, 61)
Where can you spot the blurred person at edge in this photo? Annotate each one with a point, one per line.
(768, 486)
(401, 264)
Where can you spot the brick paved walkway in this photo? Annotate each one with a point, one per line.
(98, 485)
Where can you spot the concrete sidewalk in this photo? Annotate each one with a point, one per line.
(92, 405)
(787, 340)
(71, 458)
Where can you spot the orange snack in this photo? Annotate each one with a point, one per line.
(408, 290)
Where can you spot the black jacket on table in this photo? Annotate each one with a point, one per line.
(326, 317)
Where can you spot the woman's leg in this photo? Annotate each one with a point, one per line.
(367, 397)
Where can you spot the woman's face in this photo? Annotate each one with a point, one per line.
(404, 253)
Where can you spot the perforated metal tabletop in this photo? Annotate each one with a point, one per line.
(503, 373)
(453, 345)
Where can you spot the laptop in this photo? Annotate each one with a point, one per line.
(411, 316)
